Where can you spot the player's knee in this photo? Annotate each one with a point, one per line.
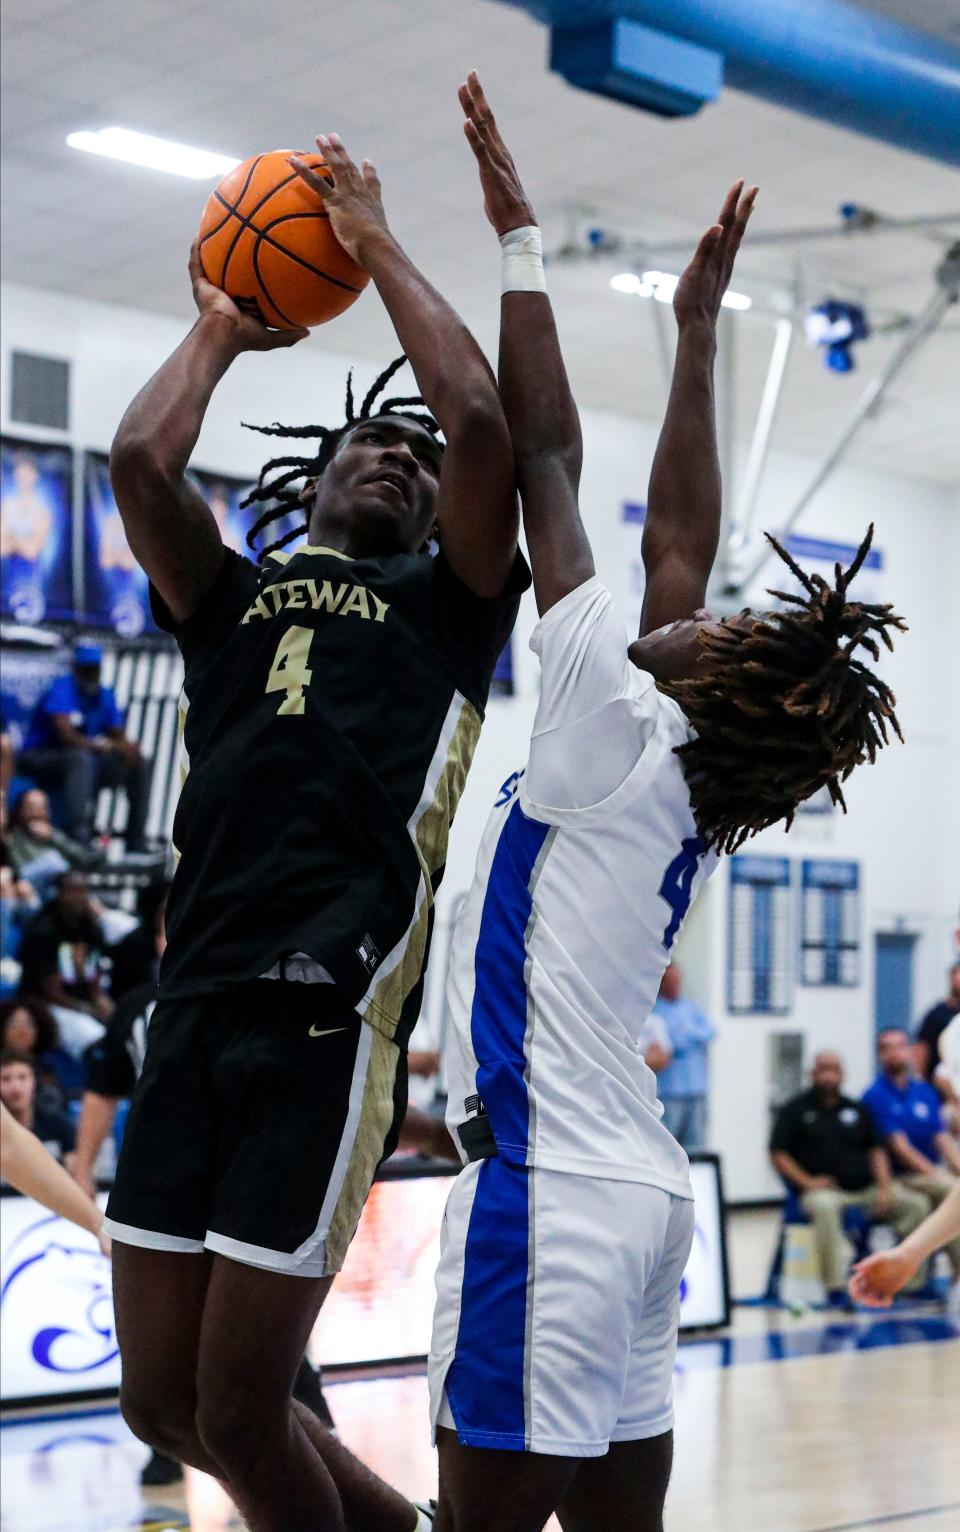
(236, 1428)
(165, 1423)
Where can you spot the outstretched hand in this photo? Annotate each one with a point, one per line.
(701, 288)
(350, 195)
(250, 333)
(876, 1280)
(504, 200)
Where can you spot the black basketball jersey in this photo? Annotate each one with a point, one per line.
(331, 707)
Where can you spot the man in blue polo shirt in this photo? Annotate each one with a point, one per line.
(76, 741)
(683, 1083)
(907, 1115)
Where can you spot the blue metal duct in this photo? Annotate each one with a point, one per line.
(826, 58)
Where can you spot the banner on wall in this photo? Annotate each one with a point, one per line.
(759, 936)
(830, 923)
(223, 495)
(116, 591)
(36, 531)
(57, 1334)
(818, 555)
(28, 670)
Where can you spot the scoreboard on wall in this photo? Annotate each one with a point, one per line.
(830, 923)
(760, 940)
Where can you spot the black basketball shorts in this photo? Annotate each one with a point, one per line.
(257, 1126)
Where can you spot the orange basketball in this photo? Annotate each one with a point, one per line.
(266, 240)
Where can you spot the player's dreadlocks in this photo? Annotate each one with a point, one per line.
(782, 707)
(279, 491)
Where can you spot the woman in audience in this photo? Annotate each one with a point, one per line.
(39, 851)
(19, 902)
(19, 1094)
(29, 1026)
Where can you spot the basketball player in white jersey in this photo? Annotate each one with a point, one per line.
(568, 1231)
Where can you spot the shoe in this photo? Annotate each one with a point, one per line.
(160, 1469)
(308, 1390)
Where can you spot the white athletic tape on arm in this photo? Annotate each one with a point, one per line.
(521, 264)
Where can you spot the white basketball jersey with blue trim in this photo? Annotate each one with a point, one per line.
(588, 865)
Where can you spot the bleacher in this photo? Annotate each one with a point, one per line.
(147, 675)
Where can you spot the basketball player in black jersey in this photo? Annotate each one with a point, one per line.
(332, 703)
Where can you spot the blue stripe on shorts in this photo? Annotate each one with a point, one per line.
(485, 1380)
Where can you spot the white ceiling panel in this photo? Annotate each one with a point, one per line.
(384, 74)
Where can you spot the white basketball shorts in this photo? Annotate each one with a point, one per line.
(555, 1328)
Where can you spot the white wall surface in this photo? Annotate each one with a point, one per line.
(904, 821)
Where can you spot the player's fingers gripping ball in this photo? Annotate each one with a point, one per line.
(266, 240)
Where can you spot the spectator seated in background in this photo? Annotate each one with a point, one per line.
(62, 958)
(112, 1067)
(825, 1146)
(136, 959)
(38, 850)
(926, 1047)
(76, 740)
(19, 902)
(29, 1026)
(946, 1076)
(908, 1118)
(18, 1092)
(682, 1084)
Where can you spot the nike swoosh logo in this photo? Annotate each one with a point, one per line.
(326, 1032)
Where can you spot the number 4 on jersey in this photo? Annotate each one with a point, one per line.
(289, 672)
(677, 885)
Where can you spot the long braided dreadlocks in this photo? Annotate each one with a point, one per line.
(282, 492)
(783, 707)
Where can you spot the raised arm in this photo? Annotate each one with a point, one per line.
(169, 526)
(683, 502)
(540, 410)
(477, 510)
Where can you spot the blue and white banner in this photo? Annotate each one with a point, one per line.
(223, 495)
(760, 935)
(36, 531)
(819, 555)
(830, 923)
(56, 1306)
(116, 591)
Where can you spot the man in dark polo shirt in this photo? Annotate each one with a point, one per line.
(825, 1146)
(926, 1046)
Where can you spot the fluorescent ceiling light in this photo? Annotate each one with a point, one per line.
(154, 153)
(664, 284)
(629, 282)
